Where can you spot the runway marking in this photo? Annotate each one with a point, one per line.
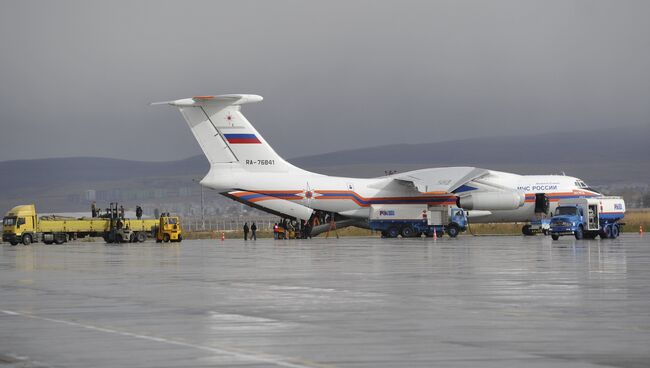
(246, 355)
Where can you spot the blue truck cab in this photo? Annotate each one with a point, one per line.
(416, 220)
(588, 218)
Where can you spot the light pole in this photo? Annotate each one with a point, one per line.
(202, 211)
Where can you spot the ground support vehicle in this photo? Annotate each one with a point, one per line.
(168, 229)
(415, 220)
(22, 225)
(588, 218)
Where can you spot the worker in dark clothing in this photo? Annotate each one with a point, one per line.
(253, 231)
(121, 211)
(138, 212)
(245, 230)
(93, 210)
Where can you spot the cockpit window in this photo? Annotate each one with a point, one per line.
(581, 184)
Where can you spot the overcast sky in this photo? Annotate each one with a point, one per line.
(76, 77)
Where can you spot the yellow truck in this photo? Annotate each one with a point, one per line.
(22, 225)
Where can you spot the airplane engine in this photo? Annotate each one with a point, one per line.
(490, 201)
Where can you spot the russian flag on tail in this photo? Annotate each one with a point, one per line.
(242, 139)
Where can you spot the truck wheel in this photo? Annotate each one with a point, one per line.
(579, 233)
(59, 239)
(27, 239)
(132, 238)
(606, 233)
(408, 232)
(166, 238)
(393, 232)
(526, 230)
(141, 237)
(180, 238)
(452, 230)
(555, 236)
(615, 231)
(14, 243)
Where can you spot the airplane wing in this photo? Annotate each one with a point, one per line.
(440, 180)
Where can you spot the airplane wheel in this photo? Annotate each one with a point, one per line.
(393, 232)
(526, 230)
(408, 232)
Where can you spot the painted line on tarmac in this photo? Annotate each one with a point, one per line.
(258, 357)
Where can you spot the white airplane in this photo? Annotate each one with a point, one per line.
(245, 168)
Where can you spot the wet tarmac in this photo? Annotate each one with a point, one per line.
(466, 302)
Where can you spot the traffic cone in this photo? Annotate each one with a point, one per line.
(223, 236)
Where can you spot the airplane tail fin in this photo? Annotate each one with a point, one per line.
(225, 135)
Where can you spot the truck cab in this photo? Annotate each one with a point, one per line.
(19, 225)
(588, 218)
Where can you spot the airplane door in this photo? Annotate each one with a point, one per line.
(541, 203)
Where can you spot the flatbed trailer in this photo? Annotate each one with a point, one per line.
(21, 224)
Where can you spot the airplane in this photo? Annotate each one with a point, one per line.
(245, 168)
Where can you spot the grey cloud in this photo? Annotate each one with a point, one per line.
(76, 77)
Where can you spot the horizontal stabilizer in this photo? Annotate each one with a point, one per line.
(232, 99)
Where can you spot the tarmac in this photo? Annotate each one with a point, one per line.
(505, 301)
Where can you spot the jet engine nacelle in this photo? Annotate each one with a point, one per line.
(492, 201)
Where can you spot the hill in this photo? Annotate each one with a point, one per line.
(603, 158)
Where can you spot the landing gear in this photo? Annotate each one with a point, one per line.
(526, 230)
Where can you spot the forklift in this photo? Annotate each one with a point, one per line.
(168, 229)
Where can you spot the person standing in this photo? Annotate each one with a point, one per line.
(253, 231)
(245, 230)
(138, 212)
(93, 209)
(276, 229)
